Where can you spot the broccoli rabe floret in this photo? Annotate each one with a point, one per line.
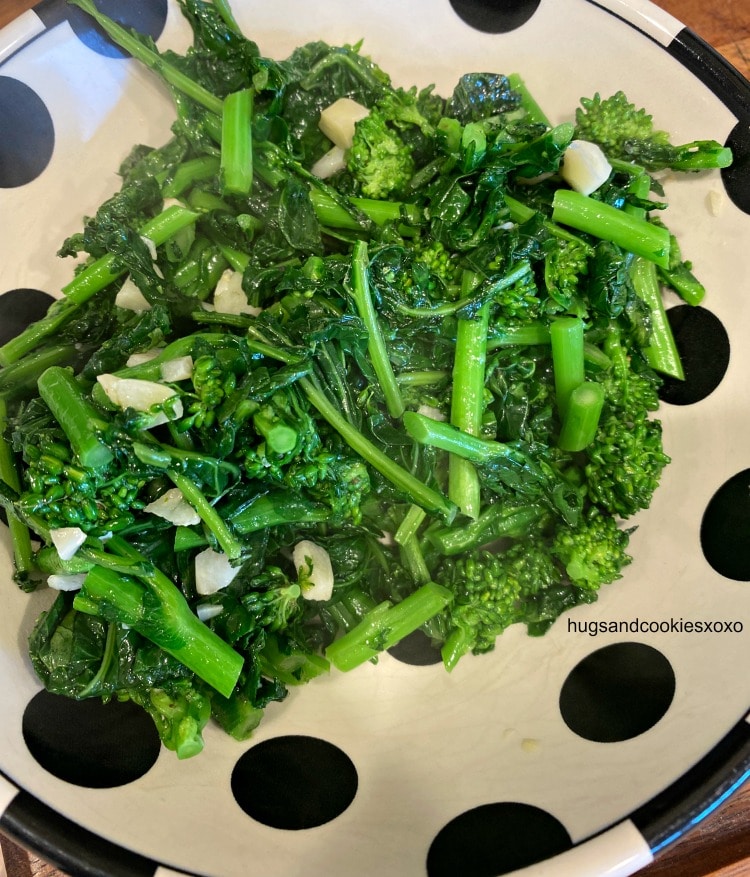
(628, 133)
(564, 265)
(379, 160)
(594, 552)
(489, 590)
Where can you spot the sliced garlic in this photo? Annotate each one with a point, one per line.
(337, 121)
(71, 582)
(130, 298)
(229, 296)
(67, 540)
(213, 571)
(585, 167)
(329, 164)
(141, 396)
(314, 570)
(179, 369)
(173, 507)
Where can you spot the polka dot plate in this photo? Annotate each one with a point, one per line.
(583, 752)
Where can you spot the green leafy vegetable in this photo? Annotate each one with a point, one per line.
(434, 372)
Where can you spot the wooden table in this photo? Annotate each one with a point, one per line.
(720, 846)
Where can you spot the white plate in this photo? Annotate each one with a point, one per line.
(587, 753)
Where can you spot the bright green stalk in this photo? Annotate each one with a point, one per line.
(237, 143)
(376, 342)
(208, 514)
(19, 378)
(536, 114)
(582, 416)
(81, 422)
(661, 354)
(277, 508)
(417, 491)
(495, 522)
(225, 11)
(23, 555)
(103, 271)
(632, 233)
(331, 214)
(387, 625)
(424, 378)
(189, 172)
(467, 399)
(446, 437)
(409, 526)
(151, 58)
(566, 335)
(532, 333)
(169, 623)
(485, 292)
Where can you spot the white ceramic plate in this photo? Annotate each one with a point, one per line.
(568, 754)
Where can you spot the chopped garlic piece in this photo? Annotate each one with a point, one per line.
(67, 540)
(173, 507)
(314, 569)
(179, 369)
(207, 611)
(432, 413)
(150, 245)
(146, 356)
(72, 582)
(140, 395)
(213, 571)
(229, 296)
(130, 298)
(337, 121)
(585, 167)
(715, 202)
(329, 164)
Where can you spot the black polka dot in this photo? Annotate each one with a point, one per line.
(736, 177)
(495, 16)
(294, 782)
(28, 135)
(618, 692)
(90, 743)
(703, 345)
(145, 16)
(495, 839)
(19, 308)
(416, 649)
(725, 527)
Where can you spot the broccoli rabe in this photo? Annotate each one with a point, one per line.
(628, 133)
(437, 366)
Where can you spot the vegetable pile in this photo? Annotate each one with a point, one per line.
(340, 363)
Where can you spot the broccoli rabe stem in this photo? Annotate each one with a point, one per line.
(81, 422)
(91, 280)
(331, 214)
(467, 398)
(274, 509)
(23, 555)
(566, 336)
(376, 346)
(632, 233)
(680, 278)
(151, 58)
(168, 622)
(19, 379)
(661, 354)
(386, 625)
(208, 514)
(236, 172)
(535, 114)
(581, 418)
(190, 172)
(446, 437)
(495, 522)
(417, 491)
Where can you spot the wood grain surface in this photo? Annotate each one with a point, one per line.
(720, 845)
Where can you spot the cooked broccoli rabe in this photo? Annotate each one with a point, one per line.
(281, 419)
